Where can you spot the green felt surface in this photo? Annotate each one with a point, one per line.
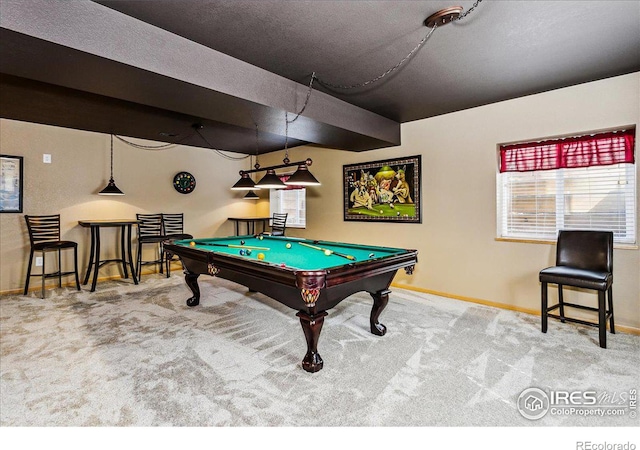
(298, 256)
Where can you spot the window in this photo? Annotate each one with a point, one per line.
(586, 183)
(292, 201)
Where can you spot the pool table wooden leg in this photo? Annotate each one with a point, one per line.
(311, 326)
(380, 300)
(192, 281)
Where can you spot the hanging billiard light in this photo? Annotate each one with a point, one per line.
(302, 176)
(245, 183)
(251, 196)
(271, 181)
(111, 188)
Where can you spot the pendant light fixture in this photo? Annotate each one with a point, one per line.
(302, 176)
(251, 196)
(111, 188)
(271, 181)
(245, 183)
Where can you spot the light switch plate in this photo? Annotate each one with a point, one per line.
(46, 158)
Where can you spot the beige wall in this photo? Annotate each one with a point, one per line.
(458, 252)
(80, 168)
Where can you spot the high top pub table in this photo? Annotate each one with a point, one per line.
(126, 256)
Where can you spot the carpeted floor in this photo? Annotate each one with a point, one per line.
(130, 355)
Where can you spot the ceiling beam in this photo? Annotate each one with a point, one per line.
(93, 49)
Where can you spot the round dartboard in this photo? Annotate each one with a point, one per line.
(184, 182)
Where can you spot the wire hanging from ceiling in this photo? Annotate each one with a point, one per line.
(167, 146)
(327, 84)
(468, 11)
(197, 127)
(399, 64)
(148, 147)
(384, 74)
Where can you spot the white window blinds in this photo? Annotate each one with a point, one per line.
(536, 204)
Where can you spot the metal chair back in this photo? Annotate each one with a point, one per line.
(43, 228)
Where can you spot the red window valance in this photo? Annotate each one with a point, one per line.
(601, 149)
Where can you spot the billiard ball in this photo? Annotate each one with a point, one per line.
(247, 252)
(260, 237)
(241, 252)
(327, 252)
(372, 255)
(193, 244)
(398, 214)
(381, 211)
(241, 242)
(260, 256)
(283, 265)
(288, 245)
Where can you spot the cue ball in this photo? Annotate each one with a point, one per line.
(380, 211)
(327, 252)
(193, 244)
(288, 245)
(260, 256)
(371, 255)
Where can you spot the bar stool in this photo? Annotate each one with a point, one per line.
(44, 235)
(584, 259)
(278, 224)
(173, 228)
(149, 232)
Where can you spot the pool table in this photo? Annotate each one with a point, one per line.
(306, 275)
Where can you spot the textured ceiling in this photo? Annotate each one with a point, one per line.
(501, 50)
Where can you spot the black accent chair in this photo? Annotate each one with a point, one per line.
(584, 259)
(149, 232)
(173, 228)
(44, 235)
(278, 224)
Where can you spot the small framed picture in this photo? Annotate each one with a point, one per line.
(11, 173)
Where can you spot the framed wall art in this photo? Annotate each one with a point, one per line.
(11, 184)
(383, 191)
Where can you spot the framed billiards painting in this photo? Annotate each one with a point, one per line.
(383, 191)
(11, 184)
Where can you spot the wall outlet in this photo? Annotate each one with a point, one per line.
(39, 261)
(46, 158)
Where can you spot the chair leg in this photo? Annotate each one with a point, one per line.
(59, 268)
(139, 261)
(26, 283)
(602, 319)
(612, 326)
(123, 253)
(161, 250)
(561, 303)
(543, 309)
(43, 272)
(75, 266)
